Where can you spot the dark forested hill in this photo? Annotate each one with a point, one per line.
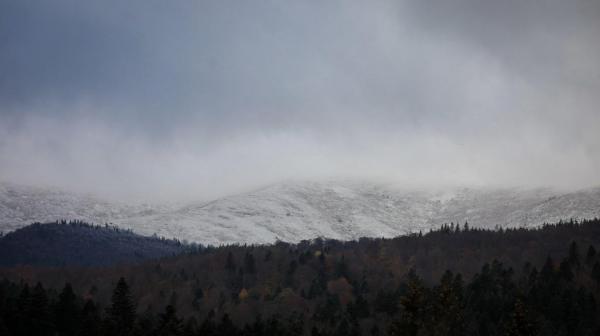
(452, 281)
(80, 244)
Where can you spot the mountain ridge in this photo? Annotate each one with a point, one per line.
(296, 210)
(81, 244)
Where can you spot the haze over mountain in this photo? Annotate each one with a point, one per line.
(180, 103)
(188, 100)
(293, 211)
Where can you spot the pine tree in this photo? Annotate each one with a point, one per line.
(121, 313)
(448, 307)
(413, 303)
(38, 315)
(67, 312)
(90, 319)
(169, 324)
(22, 311)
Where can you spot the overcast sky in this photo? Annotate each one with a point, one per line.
(177, 99)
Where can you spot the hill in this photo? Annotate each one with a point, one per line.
(80, 244)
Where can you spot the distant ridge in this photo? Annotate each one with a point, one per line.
(297, 210)
(77, 243)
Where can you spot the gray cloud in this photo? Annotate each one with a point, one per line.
(202, 98)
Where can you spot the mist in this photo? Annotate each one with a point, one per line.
(184, 100)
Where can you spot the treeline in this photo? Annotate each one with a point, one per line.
(77, 224)
(77, 243)
(455, 280)
(550, 301)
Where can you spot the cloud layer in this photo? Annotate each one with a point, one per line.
(201, 98)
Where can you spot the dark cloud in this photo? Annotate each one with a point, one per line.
(206, 97)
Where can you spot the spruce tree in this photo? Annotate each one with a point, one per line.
(413, 304)
(169, 324)
(22, 311)
(121, 313)
(40, 321)
(90, 319)
(67, 312)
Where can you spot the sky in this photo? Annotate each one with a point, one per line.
(180, 99)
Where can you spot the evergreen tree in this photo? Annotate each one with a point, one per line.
(413, 304)
(145, 324)
(21, 314)
(121, 313)
(67, 312)
(448, 307)
(169, 324)
(90, 319)
(40, 322)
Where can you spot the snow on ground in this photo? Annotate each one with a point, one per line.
(294, 211)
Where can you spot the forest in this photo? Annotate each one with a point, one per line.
(76, 243)
(455, 280)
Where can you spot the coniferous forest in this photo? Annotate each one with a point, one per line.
(455, 280)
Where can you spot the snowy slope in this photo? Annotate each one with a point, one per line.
(294, 211)
(21, 205)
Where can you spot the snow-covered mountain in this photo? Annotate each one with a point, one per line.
(21, 205)
(293, 211)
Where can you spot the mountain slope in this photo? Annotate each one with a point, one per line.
(22, 205)
(79, 244)
(294, 211)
